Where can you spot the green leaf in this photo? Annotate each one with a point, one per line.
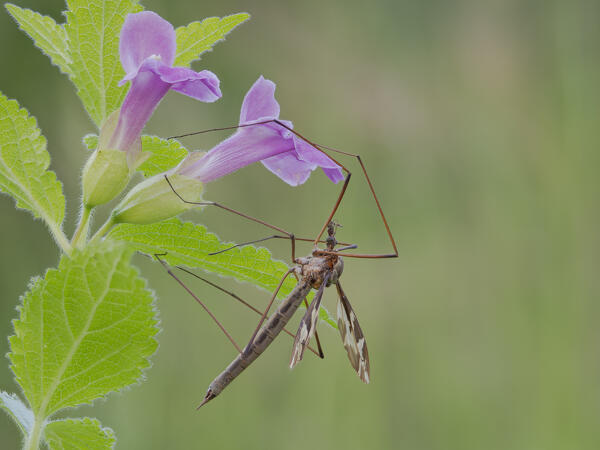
(166, 154)
(75, 434)
(189, 244)
(85, 329)
(47, 35)
(90, 140)
(23, 165)
(93, 28)
(20, 413)
(199, 37)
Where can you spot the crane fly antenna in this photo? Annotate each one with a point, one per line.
(347, 247)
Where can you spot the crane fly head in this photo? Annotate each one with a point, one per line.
(331, 229)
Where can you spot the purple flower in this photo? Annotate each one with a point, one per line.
(147, 50)
(282, 152)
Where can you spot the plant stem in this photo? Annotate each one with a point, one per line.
(33, 439)
(82, 227)
(60, 238)
(103, 230)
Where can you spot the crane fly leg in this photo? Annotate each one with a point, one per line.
(200, 302)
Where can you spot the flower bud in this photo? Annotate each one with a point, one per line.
(105, 175)
(154, 199)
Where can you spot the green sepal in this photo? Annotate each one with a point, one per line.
(105, 175)
(154, 200)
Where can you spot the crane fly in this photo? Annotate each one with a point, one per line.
(317, 271)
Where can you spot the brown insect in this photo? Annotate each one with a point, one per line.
(323, 268)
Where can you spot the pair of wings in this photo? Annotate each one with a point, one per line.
(352, 335)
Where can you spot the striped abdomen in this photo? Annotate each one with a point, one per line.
(265, 336)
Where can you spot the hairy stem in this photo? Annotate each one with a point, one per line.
(60, 238)
(33, 439)
(103, 229)
(82, 227)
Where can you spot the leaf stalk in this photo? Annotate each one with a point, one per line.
(82, 227)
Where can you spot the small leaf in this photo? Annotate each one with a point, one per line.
(20, 413)
(189, 244)
(166, 154)
(199, 37)
(47, 35)
(93, 28)
(85, 329)
(90, 140)
(74, 434)
(23, 165)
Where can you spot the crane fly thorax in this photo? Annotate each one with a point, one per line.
(314, 268)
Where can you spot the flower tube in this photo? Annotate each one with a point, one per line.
(282, 152)
(147, 50)
(259, 139)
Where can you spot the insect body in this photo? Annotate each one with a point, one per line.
(318, 271)
(315, 272)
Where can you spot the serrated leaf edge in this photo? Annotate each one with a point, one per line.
(64, 68)
(108, 432)
(197, 57)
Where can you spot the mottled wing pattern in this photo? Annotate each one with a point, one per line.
(308, 324)
(352, 336)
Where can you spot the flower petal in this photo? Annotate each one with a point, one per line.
(289, 168)
(259, 103)
(285, 132)
(145, 34)
(147, 90)
(246, 146)
(150, 64)
(203, 86)
(306, 152)
(334, 175)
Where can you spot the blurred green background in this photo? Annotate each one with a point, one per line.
(479, 124)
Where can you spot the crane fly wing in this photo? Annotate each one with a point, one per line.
(308, 324)
(352, 336)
